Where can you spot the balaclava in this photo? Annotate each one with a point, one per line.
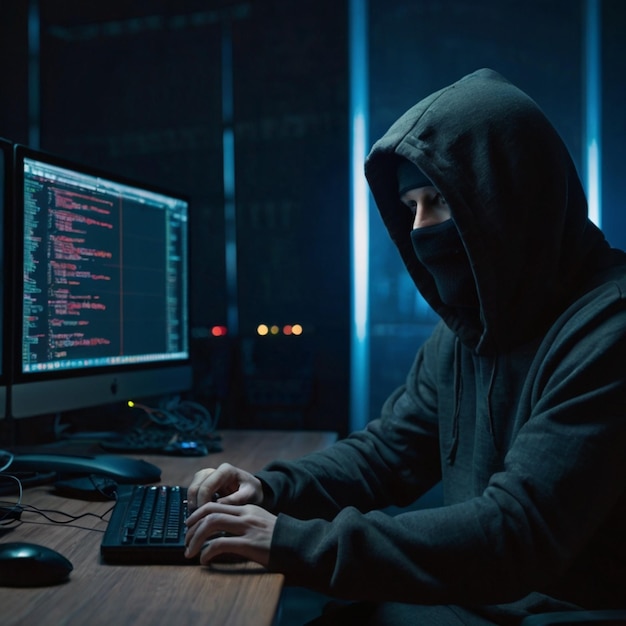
(439, 248)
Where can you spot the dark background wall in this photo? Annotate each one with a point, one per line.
(150, 88)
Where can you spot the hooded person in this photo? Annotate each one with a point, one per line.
(517, 402)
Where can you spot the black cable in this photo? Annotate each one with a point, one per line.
(46, 514)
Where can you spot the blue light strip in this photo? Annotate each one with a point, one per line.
(359, 200)
(228, 155)
(34, 91)
(593, 122)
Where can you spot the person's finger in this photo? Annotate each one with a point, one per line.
(208, 522)
(224, 547)
(194, 488)
(208, 483)
(237, 531)
(239, 497)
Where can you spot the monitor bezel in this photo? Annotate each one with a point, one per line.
(53, 392)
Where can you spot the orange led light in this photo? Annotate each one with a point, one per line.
(288, 329)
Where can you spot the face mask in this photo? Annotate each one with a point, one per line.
(441, 251)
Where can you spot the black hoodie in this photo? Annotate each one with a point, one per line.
(515, 197)
(520, 410)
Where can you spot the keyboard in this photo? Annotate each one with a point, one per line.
(147, 525)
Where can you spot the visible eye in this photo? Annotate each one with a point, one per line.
(434, 197)
(426, 203)
(411, 205)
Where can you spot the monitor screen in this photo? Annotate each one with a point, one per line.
(6, 162)
(102, 288)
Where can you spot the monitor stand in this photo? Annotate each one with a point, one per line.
(120, 468)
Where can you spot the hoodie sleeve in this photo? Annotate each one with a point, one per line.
(558, 499)
(392, 461)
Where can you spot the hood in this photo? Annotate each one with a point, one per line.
(514, 195)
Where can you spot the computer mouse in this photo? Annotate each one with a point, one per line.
(30, 565)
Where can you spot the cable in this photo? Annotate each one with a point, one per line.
(174, 427)
(184, 415)
(12, 512)
(46, 514)
(10, 456)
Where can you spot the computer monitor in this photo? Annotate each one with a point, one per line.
(102, 313)
(6, 179)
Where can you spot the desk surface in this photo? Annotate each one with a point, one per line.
(237, 594)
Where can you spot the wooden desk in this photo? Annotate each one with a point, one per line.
(222, 595)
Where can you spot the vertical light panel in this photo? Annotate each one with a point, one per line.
(228, 155)
(593, 109)
(34, 90)
(359, 200)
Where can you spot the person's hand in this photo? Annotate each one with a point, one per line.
(226, 484)
(216, 528)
